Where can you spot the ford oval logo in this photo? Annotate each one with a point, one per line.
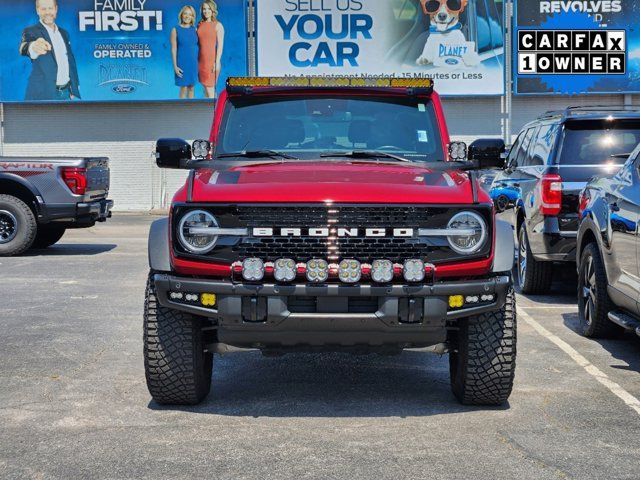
(123, 89)
(451, 61)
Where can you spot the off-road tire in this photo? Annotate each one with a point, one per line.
(177, 368)
(48, 235)
(537, 276)
(26, 226)
(483, 357)
(598, 325)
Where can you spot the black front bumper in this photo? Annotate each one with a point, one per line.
(260, 316)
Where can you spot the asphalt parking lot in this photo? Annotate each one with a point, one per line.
(74, 404)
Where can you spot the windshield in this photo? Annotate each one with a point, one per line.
(307, 127)
(599, 142)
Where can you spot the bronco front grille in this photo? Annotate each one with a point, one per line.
(365, 249)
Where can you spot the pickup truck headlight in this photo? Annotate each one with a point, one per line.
(198, 243)
(471, 233)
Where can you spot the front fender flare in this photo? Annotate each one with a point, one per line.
(505, 248)
(159, 249)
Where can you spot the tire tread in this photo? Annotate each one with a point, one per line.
(25, 238)
(601, 326)
(483, 368)
(178, 371)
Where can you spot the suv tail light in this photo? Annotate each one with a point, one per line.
(75, 179)
(551, 194)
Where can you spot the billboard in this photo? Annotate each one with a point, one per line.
(119, 50)
(576, 47)
(458, 43)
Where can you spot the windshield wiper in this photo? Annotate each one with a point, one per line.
(257, 154)
(364, 154)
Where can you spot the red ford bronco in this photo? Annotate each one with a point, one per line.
(330, 214)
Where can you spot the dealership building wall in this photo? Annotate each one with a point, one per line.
(126, 134)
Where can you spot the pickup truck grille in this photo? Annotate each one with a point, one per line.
(364, 248)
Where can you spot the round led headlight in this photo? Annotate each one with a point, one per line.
(350, 271)
(473, 233)
(285, 270)
(192, 232)
(317, 271)
(382, 271)
(253, 269)
(414, 271)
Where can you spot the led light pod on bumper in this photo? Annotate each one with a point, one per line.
(382, 271)
(285, 270)
(317, 271)
(253, 269)
(472, 233)
(350, 271)
(197, 243)
(413, 271)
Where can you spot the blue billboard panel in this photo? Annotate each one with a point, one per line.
(119, 50)
(576, 47)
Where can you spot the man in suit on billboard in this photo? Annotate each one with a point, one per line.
(54, 74)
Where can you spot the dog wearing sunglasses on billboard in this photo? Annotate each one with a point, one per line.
(446, 45)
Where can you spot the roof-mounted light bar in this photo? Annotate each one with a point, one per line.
(245, 84)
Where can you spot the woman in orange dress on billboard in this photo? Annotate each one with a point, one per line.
(211, 40)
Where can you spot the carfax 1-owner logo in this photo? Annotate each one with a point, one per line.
(568, 46)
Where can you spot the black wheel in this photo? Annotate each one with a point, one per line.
(177, 368)
(534, 277)
(502, 203)
(483, 357)
(48, 235)
(593, 300)
(17, 226)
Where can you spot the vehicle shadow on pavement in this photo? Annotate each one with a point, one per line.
(563, 289)
(330, 385)
(71, 249)
(624, 347)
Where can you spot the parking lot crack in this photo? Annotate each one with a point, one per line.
(528, 455)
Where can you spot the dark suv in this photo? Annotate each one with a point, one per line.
(608, 270)
(548, 166)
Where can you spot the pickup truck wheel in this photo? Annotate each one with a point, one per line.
(48, 235)
(594, 303)
(177, 368)
(18, 226)
(534, 277)
(483, 357)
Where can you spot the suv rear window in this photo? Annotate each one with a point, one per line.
(597, 142)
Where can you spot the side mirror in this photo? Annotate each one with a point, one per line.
(487, 153)
(172, 153)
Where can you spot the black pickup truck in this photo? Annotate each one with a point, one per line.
(40, 198)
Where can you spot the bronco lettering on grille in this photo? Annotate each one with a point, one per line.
(337, 232)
